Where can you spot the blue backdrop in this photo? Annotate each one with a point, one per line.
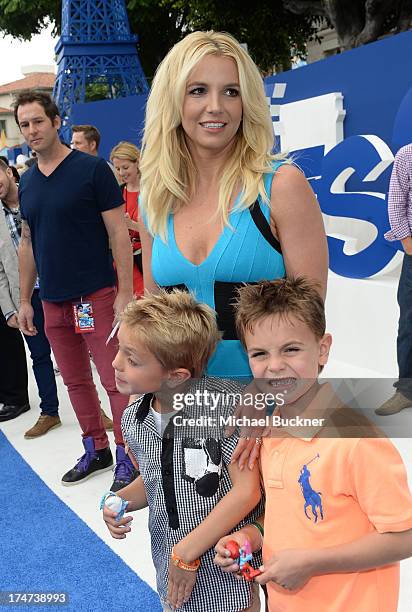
(376, 84)
(116, 120)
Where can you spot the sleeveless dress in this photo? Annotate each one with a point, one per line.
(241, 255)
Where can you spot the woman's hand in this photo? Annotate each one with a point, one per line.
(247, 451)
(252, 408)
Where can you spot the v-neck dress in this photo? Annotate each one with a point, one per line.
(240, 255)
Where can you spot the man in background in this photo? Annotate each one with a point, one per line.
(39, 347)
(400, 218)
(71, 208)
(14, 399)
(85, 138)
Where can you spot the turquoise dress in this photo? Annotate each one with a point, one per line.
(241, 255)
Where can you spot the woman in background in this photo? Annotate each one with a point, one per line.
(125, 159)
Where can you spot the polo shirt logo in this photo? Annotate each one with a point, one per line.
(312, 497)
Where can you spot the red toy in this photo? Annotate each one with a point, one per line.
(242, 556)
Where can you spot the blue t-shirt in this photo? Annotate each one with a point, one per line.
(69, 238)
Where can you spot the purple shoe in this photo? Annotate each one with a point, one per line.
(91, 463)
(124, 471)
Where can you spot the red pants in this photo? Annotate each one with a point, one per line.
(71, 351)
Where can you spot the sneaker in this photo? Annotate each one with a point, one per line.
(124, 471)
(91, 463)
(107, 423)
(394, 404)
(44, 424)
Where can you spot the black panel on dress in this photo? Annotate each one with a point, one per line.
(225, 294)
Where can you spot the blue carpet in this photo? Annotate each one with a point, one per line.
(45, 547)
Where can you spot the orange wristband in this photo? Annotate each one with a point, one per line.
(178, 562)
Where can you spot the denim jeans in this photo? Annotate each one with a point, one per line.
(40, 354)
(71, 351)
(404, 342)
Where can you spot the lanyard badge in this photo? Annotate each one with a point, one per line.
(83, 317)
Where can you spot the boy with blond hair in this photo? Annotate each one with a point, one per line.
(338, 513)
(194, 493)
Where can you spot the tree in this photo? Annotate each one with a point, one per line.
(359, 21)
(156, 22)
(274, 30)
(271, 33)
(159, 24)
(23, 18)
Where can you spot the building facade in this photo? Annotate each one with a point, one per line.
(40, 78)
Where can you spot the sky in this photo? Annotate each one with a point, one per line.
(39, 50)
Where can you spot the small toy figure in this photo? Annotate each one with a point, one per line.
(115, 503)
(242, 556)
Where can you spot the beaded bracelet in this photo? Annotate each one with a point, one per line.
(178, 562)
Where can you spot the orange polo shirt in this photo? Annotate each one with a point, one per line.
(352, 487)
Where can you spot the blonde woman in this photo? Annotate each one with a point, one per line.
(218, 209)
(125, 159)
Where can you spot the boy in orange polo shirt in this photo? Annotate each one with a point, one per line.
(338, 514)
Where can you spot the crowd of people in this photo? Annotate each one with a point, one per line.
(197, 265)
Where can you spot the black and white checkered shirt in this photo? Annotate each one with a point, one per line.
(185, 475)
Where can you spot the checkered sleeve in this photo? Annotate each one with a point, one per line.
(128, 419)
(228, 446)
(399, 196)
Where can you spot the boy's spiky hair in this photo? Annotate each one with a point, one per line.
(179, 331)
(285, 296)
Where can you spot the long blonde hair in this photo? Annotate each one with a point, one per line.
(168, 173)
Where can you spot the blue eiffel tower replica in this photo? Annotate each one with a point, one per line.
(96, 53)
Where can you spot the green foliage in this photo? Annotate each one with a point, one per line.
(159, 25)
(23, 18)
(270, 32)
(97, 90)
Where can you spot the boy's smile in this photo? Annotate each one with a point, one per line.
(285, 355)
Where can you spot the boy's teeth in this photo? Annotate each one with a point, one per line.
(278, 382)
